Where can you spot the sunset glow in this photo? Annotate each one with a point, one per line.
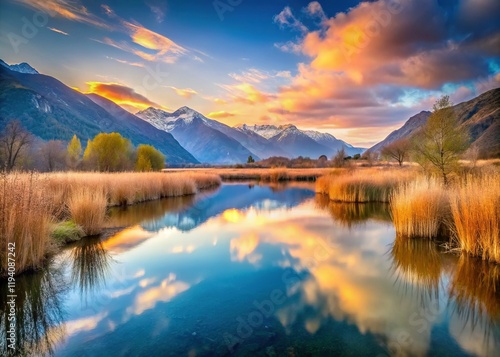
(354, 69)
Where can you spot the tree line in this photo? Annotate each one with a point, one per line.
(110, 152)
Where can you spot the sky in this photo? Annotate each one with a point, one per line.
(357, 70)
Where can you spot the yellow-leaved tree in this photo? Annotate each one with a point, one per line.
(108, 152)
(441, 140)
(74, 152)
(149, 159)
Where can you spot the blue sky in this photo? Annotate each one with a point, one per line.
(355, 69)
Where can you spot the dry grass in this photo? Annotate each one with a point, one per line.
(277, 174)
(25, 221)
(87, 208)
(423, 207)
(130, 187)
(475, 208)
(419, 208)
(30, 204)
(363, 185)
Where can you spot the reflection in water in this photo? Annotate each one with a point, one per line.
(417, 265)
(147, 211)
(187, 213)
(473, 293)
(474, 296)
(191, 270)
(351, 214)
(90, 265)
(39, 312)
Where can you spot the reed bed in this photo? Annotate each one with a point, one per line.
(276, 174)
(30, 204)
(475, 208)
(363, 185)
(468, 210)
(25, 222)
(419, 208)
(129, 188)
(87, 208)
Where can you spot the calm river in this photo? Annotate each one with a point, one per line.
(251, 270)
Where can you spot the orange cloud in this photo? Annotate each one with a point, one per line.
(70, 10)
(184, 92)
(220, 114)
(165, 49)
(247, 93)
(121, 95)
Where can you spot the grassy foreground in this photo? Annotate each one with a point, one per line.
(467, 211)
(40, 211)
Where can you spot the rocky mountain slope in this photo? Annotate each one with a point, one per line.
(480, 115)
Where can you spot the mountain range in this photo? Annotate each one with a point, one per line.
(480, 115)
(219, 143)
(51, 110)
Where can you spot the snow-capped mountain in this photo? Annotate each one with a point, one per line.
(333, 143)
(211, 141)
(51, 110)
(21, 67)
(301, 142)
(266, 131)
(205, 138)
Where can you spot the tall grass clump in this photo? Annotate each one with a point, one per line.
(87, 208)
(25, 221)
(475, 209)
(359, 186)
(419, 208)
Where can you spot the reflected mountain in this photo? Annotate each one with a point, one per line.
(338, 287)
(230, 196)
(39, 312)
(90, 265)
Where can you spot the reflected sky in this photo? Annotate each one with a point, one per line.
(275, 272)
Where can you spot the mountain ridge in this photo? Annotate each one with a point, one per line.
(51, 110)
(480, 115)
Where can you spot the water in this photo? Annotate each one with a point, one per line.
(252, 270)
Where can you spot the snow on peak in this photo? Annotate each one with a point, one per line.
(268, 131)
(21, 67)
(316, 135)
(187, 114)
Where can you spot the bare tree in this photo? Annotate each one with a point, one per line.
(13, 141)
(370, 157)
(338, 158)
(397, 150)
(53, 155)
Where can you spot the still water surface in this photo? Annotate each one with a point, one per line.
(253, 270)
